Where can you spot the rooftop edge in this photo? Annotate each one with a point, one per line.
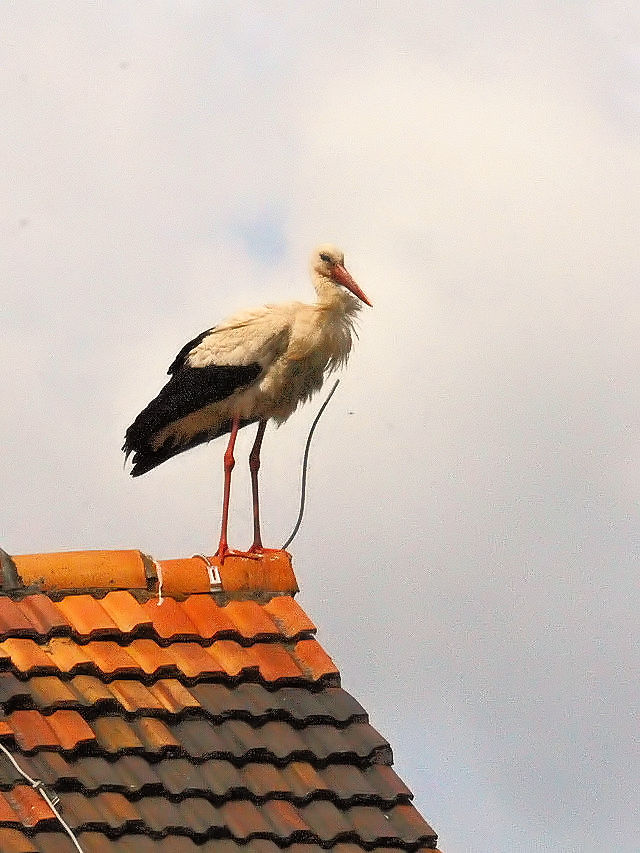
(240, 576)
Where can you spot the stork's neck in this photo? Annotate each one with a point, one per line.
(335, 299)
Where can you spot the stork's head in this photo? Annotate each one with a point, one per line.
(327, 262)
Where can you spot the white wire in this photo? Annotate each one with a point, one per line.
(38, 785)
(160, 581)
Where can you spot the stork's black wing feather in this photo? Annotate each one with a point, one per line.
(180, 359)
(145, 460)
(188, 390)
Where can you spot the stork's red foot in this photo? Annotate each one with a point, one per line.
(223, 552)
(254, 553)
(258, 551)
(256, 547)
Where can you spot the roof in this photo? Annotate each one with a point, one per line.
(175, 710)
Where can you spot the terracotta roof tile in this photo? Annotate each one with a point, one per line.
(209, 618)
(151, 658)
(118, 614)
(32, 730)
(86, 616)
(275, 662)
(13, 693)
(49, 692)
(93, 842)
(64, 655)
(289, 616)
(272, 574)
(245, 820)
(325, 821)
(70, 729)
(110, 659)
(174, 697)
(193, 660)
(43, 614)
(13, 841)
(125, 611)
(297, 781)
(184, 575)
(212, 722)
(114, 734)
(60, 730)
(285, 818)
(25, 655)
(169, 619)
(12, 620)
(232, 658)
(251, 620)
(91, 692)
(241, 575)
(134, 697)
(304, 780)
(385, 782)
(314, 660)
(7, 813)
(29, 808)
(82, 570)
(373, 825)
(155, 735)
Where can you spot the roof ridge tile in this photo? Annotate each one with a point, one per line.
(95, 571)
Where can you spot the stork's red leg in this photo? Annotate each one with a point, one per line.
(229, 462)
(254, 467)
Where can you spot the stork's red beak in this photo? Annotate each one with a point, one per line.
(341, 275)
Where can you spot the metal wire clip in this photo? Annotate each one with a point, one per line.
(215, 581)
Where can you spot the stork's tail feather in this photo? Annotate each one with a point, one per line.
(145, 458)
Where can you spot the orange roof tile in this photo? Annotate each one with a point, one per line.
(24, 655)
(250, 619)
(70, 728)
(125, 611)
(150, 657)
(314, 660)
(49, 691)
(90, 690)
(173, 696)
(289, 616)
(110, 658)
(134, 696)
(87, 615)
(275, 662)
(12, 618)
(43, 615)
(28, 806)
(64, 655)
(175, 716)
(82, 570)
(168, 618)
(210, 619)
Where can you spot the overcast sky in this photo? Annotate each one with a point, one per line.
(470, 549)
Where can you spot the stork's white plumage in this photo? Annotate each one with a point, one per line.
(256, 365)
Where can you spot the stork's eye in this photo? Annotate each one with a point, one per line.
(326, 258)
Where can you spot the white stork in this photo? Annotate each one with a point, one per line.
(256, 365)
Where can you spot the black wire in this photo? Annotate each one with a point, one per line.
(303, 488)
